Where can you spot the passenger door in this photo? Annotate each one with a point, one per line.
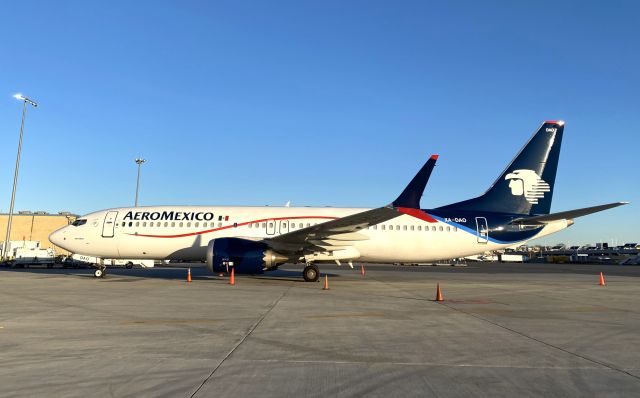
(271, 227)
(482, 228)
(109, 224)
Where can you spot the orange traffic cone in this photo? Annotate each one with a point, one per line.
(189, 275)
(232, 279)
(601, 279)
(439, 293)
(361, 270)
(326, 283)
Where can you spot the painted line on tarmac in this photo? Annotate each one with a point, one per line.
(586, 358)
(459, 310)
(438, 364)
(251, 329)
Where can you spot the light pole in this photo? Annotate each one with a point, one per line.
(25, 101)
(139, 162)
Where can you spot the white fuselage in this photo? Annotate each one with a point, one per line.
(183, 232)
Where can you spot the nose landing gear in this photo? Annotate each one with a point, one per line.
(100, 272)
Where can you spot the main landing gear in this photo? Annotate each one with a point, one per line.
(311, 273)
(100, 272)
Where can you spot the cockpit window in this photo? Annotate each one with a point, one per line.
(79, 222)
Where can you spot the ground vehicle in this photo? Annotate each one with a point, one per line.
(34, 256)
(513, 258)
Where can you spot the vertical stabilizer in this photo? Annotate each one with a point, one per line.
(526, 185)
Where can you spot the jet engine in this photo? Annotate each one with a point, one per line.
(247, 256)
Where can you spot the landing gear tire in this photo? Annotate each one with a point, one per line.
(129, 265)
(99, 273)
(311, 273)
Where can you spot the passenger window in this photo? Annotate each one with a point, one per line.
(124, 223)
(180, 224)
(173, 224)
(219, 224)
(375, 227)
(397, 228)
(130, 224)
(197, 224)
(137, 223)
(270, 225)
(419, 227)
(301, 225)
(433, 228)
(382, 227)
(264, 225)
(144, 224)
(448, 229)
(166, 224)
(412, 228)
(188, 224)
(404, 227)
(250, 225)
(308, 225)
(441, 229)
(219, 218)
(455, 229)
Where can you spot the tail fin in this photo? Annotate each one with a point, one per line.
(526, 185)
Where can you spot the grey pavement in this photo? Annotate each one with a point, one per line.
(503, 330)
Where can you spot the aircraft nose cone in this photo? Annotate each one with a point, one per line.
(58, 237)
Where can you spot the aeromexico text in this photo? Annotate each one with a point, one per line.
(169, 216)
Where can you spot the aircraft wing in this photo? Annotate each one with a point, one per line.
(564, 215)
(343, 230)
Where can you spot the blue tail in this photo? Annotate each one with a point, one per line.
(526, 185)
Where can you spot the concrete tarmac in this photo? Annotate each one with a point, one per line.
(503, 330)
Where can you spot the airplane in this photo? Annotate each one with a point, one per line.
(514, 210)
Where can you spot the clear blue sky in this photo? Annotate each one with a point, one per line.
(318, 102)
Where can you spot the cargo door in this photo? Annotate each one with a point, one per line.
(109, 224)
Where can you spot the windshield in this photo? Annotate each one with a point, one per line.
(78, 222)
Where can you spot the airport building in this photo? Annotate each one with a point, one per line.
(35, 226)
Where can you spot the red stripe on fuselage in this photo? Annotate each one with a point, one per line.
(417, 213)
(237, 225)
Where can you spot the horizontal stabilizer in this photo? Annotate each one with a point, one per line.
(565, 215)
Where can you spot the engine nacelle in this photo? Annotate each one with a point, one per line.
(248, 257)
